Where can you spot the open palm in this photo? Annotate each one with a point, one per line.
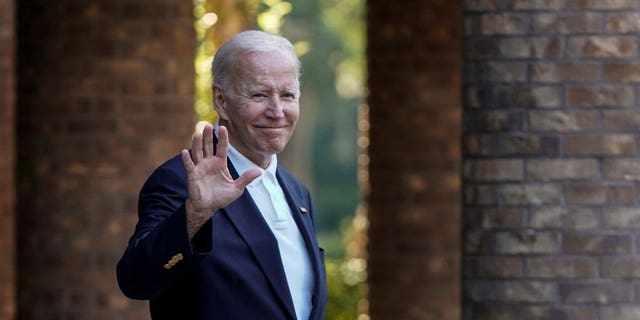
(210, 184)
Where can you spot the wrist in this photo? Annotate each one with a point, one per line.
(196, 218)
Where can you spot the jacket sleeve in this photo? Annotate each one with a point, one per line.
(160, 252)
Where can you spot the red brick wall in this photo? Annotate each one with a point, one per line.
(551, 164)
(7, 161)
(414, 214)
(105, 93)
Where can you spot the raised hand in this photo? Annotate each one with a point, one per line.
(210, 184)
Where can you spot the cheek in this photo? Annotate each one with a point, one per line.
(292, 113)
(248, 112)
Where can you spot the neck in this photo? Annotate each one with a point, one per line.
(262, 162)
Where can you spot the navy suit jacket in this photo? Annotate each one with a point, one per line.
(231, 269)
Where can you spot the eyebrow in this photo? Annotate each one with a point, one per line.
(267, 88)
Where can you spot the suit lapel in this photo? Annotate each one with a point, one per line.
(246, 217)
(300, 210)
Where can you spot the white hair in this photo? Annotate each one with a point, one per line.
(243, 43)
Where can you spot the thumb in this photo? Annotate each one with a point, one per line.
(247, 177)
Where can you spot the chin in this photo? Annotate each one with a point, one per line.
(275, 148)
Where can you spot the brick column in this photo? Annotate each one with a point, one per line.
(551, 165)
(7, 161)
(414, 214)
(105, 93)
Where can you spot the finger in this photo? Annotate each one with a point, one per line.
(187, 162)
(247, 177)
(207, 140)
(222, 148)
(196, 148)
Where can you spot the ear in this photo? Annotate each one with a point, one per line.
(219, 101)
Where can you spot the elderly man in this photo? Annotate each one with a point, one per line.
(223, 231)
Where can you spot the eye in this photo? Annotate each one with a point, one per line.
(258, 96)
(288, 96)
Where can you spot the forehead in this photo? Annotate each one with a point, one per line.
(254, 66)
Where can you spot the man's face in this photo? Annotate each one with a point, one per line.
(262, 111)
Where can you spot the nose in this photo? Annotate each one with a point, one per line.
(275, 108)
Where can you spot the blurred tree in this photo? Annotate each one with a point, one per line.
(332, 32)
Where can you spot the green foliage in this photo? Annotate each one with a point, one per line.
(271, 17)
(332, 243)
(346, 277)
(346, 282)
(204, 20)
(332, 77)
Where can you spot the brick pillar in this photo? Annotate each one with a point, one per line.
(414, 112)
(551, 165)
(105, 93)
(7, 163)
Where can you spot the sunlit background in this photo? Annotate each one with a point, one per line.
(326, 151)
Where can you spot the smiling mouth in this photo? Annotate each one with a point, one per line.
(270, 128)
(272, 131)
